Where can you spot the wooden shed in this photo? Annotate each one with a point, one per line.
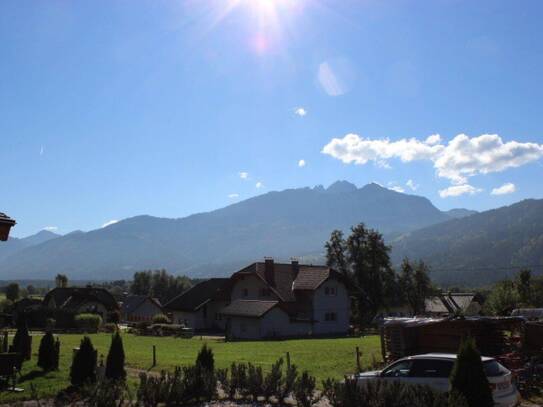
(411, 336)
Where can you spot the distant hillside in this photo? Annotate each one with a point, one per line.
(481, 248)
(460, 213)
(14, 245)
(293, 222)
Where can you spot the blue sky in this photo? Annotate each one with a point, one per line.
(110, 109)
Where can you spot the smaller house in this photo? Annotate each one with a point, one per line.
(136, 308)
(24, 305)
(82, 300)
(199, 307)
(467, 304)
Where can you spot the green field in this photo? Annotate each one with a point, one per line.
(321, 357)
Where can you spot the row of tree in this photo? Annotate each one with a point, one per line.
(159, 284)
(363, 259)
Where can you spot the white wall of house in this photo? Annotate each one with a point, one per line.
(251, 288)
(331, 308)
(207, 317)
(144, 312)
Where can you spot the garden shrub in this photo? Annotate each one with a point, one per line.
(161, 319)
(304, 390)
(468, 377)
(83, 368)
(273, 380)
(205, 358)
(238, 380)
(115, 359)
(255, 381)
(291, 375)
(88, 322)
(224, 381)
(48, 354)
(163, 330)
(22, 341)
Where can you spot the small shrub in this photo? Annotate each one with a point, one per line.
(291, 375)
(468, 377)
(238, 380)
(304, 390)
(205, 358)
(83, 368)
(163, 330)
(255, 381)
(142, 325)
(161, 319)
(88, 322)
(115, 359)
(273, 380)
(106, 393)
(22, 341)
(224, 381)
(48, 353)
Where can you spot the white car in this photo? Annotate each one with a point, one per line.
(434, 369)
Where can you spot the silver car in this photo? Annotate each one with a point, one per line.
(434, 369)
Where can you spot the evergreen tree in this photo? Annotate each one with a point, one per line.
(13, 292)
(468, 377)
(61, 281)
(115, 359)
(22, 342)
(414, 284)
(335, 253)
(48, 353)
(205, 359)
(83, 368)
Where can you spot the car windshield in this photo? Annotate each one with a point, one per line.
(493, 368)
(400, 369)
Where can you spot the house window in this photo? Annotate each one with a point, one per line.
(245, 292)
(330, 316)
(265, 292)
(330, 291)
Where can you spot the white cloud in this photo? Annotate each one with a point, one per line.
(42, 150)
(459, 159)
(233, 196)
(301, 163)
(397, 188)
(111, 222)
(259, 184)
(300, 111)
(411, 184)
(457, 190)
(51, 228)
(243, 175)
(505, 189)
(433, 139)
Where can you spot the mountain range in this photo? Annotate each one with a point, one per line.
(293, 222)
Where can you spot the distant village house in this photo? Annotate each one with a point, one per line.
(82, 300)
(137, 308)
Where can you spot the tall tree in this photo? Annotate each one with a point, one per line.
(524, 283)
(61, 281)
(13, 292)
(48, 353)
(365, 259)
(414, 285)
(335, 253)
(503, 298)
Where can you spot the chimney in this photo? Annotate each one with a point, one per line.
(295, 266)
(269, 271)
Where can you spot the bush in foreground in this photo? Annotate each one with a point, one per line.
(48, 354)
(205, 358)
(83, 368)
(115, 359)
(161, 319)
(22, 342)
(468, 377)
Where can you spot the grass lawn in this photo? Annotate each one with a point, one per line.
(321, 357)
